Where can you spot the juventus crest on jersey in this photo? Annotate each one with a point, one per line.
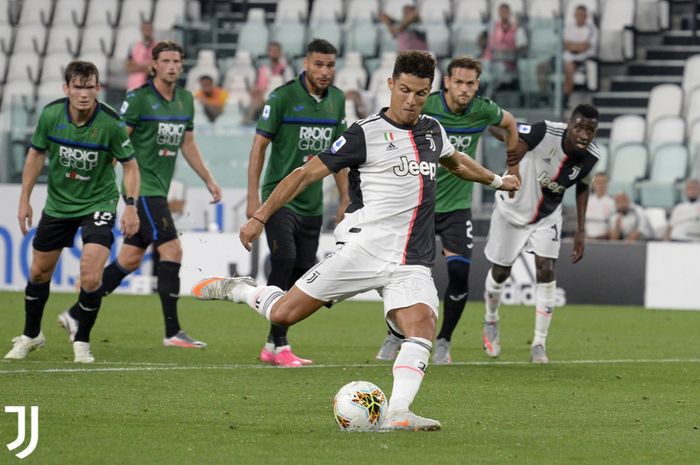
(392, 186)
(546, 172)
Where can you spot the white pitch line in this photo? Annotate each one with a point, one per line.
(139, 367)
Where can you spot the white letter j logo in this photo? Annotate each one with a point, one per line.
(21, 420)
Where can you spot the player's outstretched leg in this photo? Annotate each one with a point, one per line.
(544, 309)
(409, 370)
(390, 347)
(492, 299)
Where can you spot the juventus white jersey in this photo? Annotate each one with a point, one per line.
(392, 186)
(546, 172)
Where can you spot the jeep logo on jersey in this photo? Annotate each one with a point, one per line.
(415, 168)
(550, 184)
(314, 139)
(461, 143)
(170, 133)
(78, 159)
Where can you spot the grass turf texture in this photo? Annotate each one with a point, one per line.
(623, 389)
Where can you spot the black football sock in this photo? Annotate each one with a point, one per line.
(169, 291)
(455, 295)
(112, 277)
(35, 297)
(88, 306)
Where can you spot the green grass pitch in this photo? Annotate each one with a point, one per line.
(623, 388)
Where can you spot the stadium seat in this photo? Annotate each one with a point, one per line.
(694, 142)
(602, 165)
(107, 12)
(465, 37)
(669, 130)
(435, 11)
(63, 38)
(656, 217)
(651, 15)
(616, 34)
(238, 90)
(241, 70)
(168, 13)
(126, 37)
(475, 10)
(664, 100)
(291, 35)
(668, 168)
(99, 59)
(352, 76)
(350, 112)
(377, 80)
(626, 129)
(362, 11)
(328, 11)
(274, 83)
(253, 35)
(134, 12)
(438, 38)
(48, 91)
(206, 66)
(54, 66)
(24, 66)
(70, 12)
(387, 42)
(97, 38)
(362, 37)
(31, 38)
(543, 9)
(329, 31)
(628, 166)
(36, 12)
(17, 93)
(294, 11)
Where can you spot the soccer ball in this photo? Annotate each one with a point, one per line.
(359, 406)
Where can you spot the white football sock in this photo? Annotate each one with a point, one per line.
(259, 298)
(492, 298)
(409, 369)
(544, 307)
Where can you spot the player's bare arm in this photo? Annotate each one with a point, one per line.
(194, 158)
(582, 194)
(464, 167)
(341, 181)
(33, 164)
(294, 183)
(256, 160)
(132, 181)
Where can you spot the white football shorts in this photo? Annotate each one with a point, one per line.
(352, 270)
(506, 240)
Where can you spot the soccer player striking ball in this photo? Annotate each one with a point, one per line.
(159, 118)
(388, 235)
(300, 119)
(465, 117)
(552, 158)
(81, 137)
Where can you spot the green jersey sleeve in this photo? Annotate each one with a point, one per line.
(39, 139)
(120, 144)
(271, 116)
(494, 112)
(130, 109)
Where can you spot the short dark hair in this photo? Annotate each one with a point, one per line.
(321, 46)
(205, 76)
(167, 46)
(466, 62)
(81, 69)
(585, 110)
(582, 7)
(417, 63)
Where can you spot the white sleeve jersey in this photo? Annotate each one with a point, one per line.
(392, 186)
(546, 171)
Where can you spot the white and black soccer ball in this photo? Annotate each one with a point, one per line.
(360, 406)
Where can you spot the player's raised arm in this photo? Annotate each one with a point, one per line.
(33, 164)
(294, 183)
(464, 167)
(194, 159)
